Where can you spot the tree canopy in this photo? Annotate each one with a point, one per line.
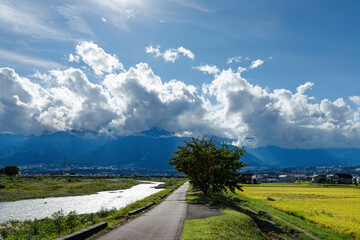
(11, 170)
(209, 167)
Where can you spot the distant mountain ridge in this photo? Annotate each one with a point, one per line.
(149, 149)
(281, 157)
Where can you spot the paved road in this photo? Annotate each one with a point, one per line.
(165, 221)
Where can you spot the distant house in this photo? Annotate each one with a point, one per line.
(298, 176)
(270, 179)
(247, 178)
(264, 178)
(340, 178)
(258, 178)
(357, 179)
(318, 178)
(286, 179)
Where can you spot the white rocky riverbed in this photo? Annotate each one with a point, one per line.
(45, 207)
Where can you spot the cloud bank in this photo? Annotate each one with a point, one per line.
(127, 101)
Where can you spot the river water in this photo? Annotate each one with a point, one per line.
(44, 207)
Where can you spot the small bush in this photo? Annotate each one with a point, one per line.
(58, 221)
(4, 233)
(103, 213)
(72, 220)
(34, 228)
(91, 218)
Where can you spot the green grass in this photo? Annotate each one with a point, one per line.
(314, 229)
(232, 225)
(59, 224)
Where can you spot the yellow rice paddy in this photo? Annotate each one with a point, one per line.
(337, 208)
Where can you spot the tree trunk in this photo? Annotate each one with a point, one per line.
(205, 190)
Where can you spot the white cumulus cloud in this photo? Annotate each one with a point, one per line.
(211, 69)
(355, 99)
(73, 58)
(282, 118)
(137, 99)
(100, 61)
(234, 59)
(171, 54)
(256, 63)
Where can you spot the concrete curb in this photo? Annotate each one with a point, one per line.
(85, 233)
(140, 209)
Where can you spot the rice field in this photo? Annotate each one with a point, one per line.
(335, 207)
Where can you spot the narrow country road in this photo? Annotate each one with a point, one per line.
(165, 221)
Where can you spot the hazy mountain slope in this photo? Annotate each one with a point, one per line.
(281, 157)
(149, 149)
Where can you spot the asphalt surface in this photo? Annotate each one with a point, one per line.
(198, 211)
(165, 221)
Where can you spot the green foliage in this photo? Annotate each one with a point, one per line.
(11, 170)
(34, 228)
(58, 221)
(209, 167)
(72, 220)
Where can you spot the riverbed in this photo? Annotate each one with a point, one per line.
(45, 207)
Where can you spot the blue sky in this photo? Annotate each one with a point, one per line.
(279, 73)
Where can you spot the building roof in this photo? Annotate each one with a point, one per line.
(343, 175)
(318, 175)
(282, 176)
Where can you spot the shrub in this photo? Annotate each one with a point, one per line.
(72, 220)
(34, 228)
(58, 221)
(91, 218)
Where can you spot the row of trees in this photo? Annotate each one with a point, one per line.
(209, 167)
(10, 171)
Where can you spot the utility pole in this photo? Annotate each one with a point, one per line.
(345, 170)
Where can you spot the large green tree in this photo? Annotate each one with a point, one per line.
(209, 167)
(11, 170)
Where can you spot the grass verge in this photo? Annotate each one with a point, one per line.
(232, 225)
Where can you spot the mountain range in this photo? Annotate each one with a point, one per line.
(147, 150)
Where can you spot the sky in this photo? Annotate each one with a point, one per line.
(281, 73)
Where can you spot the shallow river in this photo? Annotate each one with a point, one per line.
(44, 207)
